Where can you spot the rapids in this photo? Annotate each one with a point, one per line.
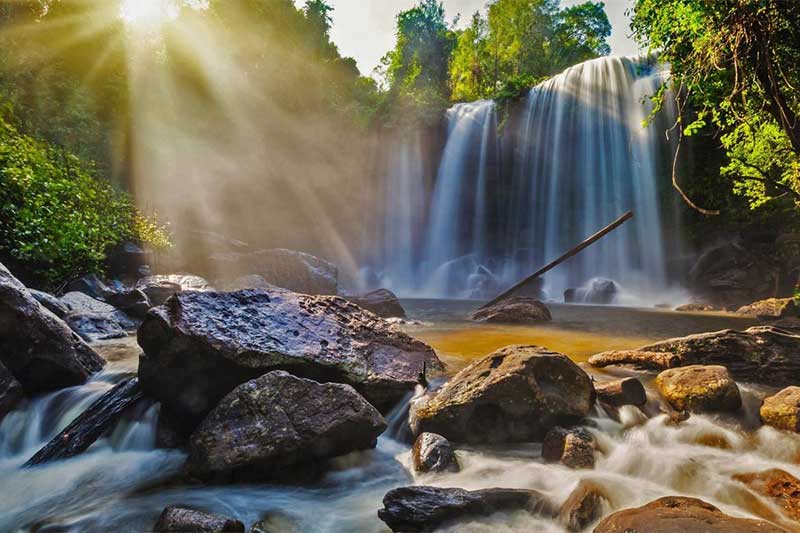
(122, 483)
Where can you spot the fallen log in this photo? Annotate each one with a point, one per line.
(91, 424)
(574, 251)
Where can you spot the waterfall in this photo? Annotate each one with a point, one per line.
(575, 157)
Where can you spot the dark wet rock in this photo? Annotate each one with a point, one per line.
(573, 447)
(382, 302)
(134, 302)
(276, 522)
(50, 302)
(80, 303)
(10, 392)
(695, 307)
(36, 346)
(761, 354)
(159, 288)
(779, 486)
(91, 424)
(289, 269)
(515, 394)
(598, 291)
(772, 309)
(201, 345)
(584, 506)
(423, 508)
(179, 519)
(434, 453)
(93, 327)
(126, 259)
(676, 514)
(90, 285)
(516, 310)
(627, 391)
(269, 426)
(699, 389)
(782, 410)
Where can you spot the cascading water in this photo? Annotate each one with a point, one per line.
(577, 158)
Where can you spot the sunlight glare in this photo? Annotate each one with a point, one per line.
(147, 15)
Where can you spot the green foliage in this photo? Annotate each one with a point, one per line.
(734, 68)
(56, 216)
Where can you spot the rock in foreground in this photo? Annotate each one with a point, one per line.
(382, 302)
(777, 485)
(201, 345)
(515, 394)
(675, 514)
(270, 425)
(36, 346)
(517, 310)
(434, 453)
(699, 389)
(427, 508)
(181, 519)
(782, 410)
(761, 354)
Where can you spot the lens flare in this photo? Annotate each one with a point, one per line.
(147, 15)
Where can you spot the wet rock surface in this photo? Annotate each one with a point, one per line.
(516, 310)
(424, 508)
(761, 354)
(159, 288)
(268, 426)
(616, 393)
(772, 309)
(584, 506)
(675, 514)
(515, 394)
(573, 447)
(94, 327)
(699, 389)
(201, 345)
(782, 410)
(10, 392)
(36, 346)
(695, 307)
(777, 485)
(434, 453)
(176, 519)
(50, 302)
(382, 302)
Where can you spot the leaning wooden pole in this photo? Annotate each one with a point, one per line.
(574, 251)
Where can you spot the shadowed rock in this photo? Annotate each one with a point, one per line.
(10, 392)
(583, 506)
(628, 391)
(761, 354)
(268, 426)
(36, 346)
(382, 302)
(201, 345)
(428, 508)
(782, 410)
(515, 394)
(699, 389)
(434, 453)
(675, 514)
(771, 309)
(515, 310)
(572, 447)
(50, 302)
(176, 519)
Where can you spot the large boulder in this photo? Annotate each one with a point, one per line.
(10, 392)
(761, 354)
(382, 302)
(516, 310)
(676, 514)
(268, 426)
(159, 288)
(179, 519)
(36, 346)
(777, 485)
(289, 269)
(772, 309)
(201, 345)
(782, 410)
(50, 302)
(423, 508)
(515, 394)
(699, 389)
(434, 453)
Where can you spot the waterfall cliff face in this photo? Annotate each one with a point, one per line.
(576, 157)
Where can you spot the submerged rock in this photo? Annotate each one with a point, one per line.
(572, 447)
(289, 269)
(515, 394)
(676, 514)
(10, 392)
(201, 345)
(782, 410)
(428, 508)
(761, 354)
(434, 453)
(584, 505)
(772, 309)
(777, 485)
(36, 346)
(382, 302)
(179, 519)
(699, 389)
(516, 310)
(270, 425)
(50, 302)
